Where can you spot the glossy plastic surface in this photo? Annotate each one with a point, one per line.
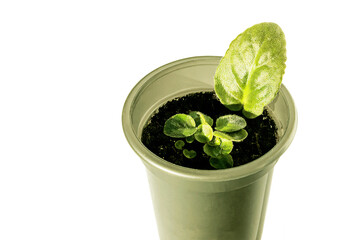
(203, 204)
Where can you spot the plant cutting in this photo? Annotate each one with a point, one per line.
(211, 136)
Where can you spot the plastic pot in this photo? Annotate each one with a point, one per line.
(195, 204)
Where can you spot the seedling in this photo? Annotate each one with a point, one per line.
(189, 153)
(217, 144)
(179, 144)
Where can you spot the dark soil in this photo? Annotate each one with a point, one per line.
(262, 132)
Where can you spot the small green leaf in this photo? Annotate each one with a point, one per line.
(251, 71)
(222, 161)
(204, 133)
(215, 141)
(212, 151)
(230, 123)
(179, 144)
(189, 153)
(180, 126)
(190, 139)
(237, 136)
(201, 118)
(225, 147)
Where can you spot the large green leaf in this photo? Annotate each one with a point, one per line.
(250, 73)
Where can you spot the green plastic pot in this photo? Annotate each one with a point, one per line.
(193, 204)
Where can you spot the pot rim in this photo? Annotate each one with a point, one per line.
(152, 160)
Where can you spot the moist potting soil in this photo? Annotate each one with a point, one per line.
(262, 132)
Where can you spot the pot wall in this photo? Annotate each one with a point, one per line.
(207, 210)
(203, 204)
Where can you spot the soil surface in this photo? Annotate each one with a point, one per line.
(262, 132)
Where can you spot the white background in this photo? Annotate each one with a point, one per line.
(66, 67)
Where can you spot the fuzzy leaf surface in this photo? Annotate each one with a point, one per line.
(251, 71)
(230, 123)
(237, 136)
(212, 151)
(180, 126)
(204, 133)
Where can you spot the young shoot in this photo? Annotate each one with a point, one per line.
(198, 126)
(179, 144)
(189, 153)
